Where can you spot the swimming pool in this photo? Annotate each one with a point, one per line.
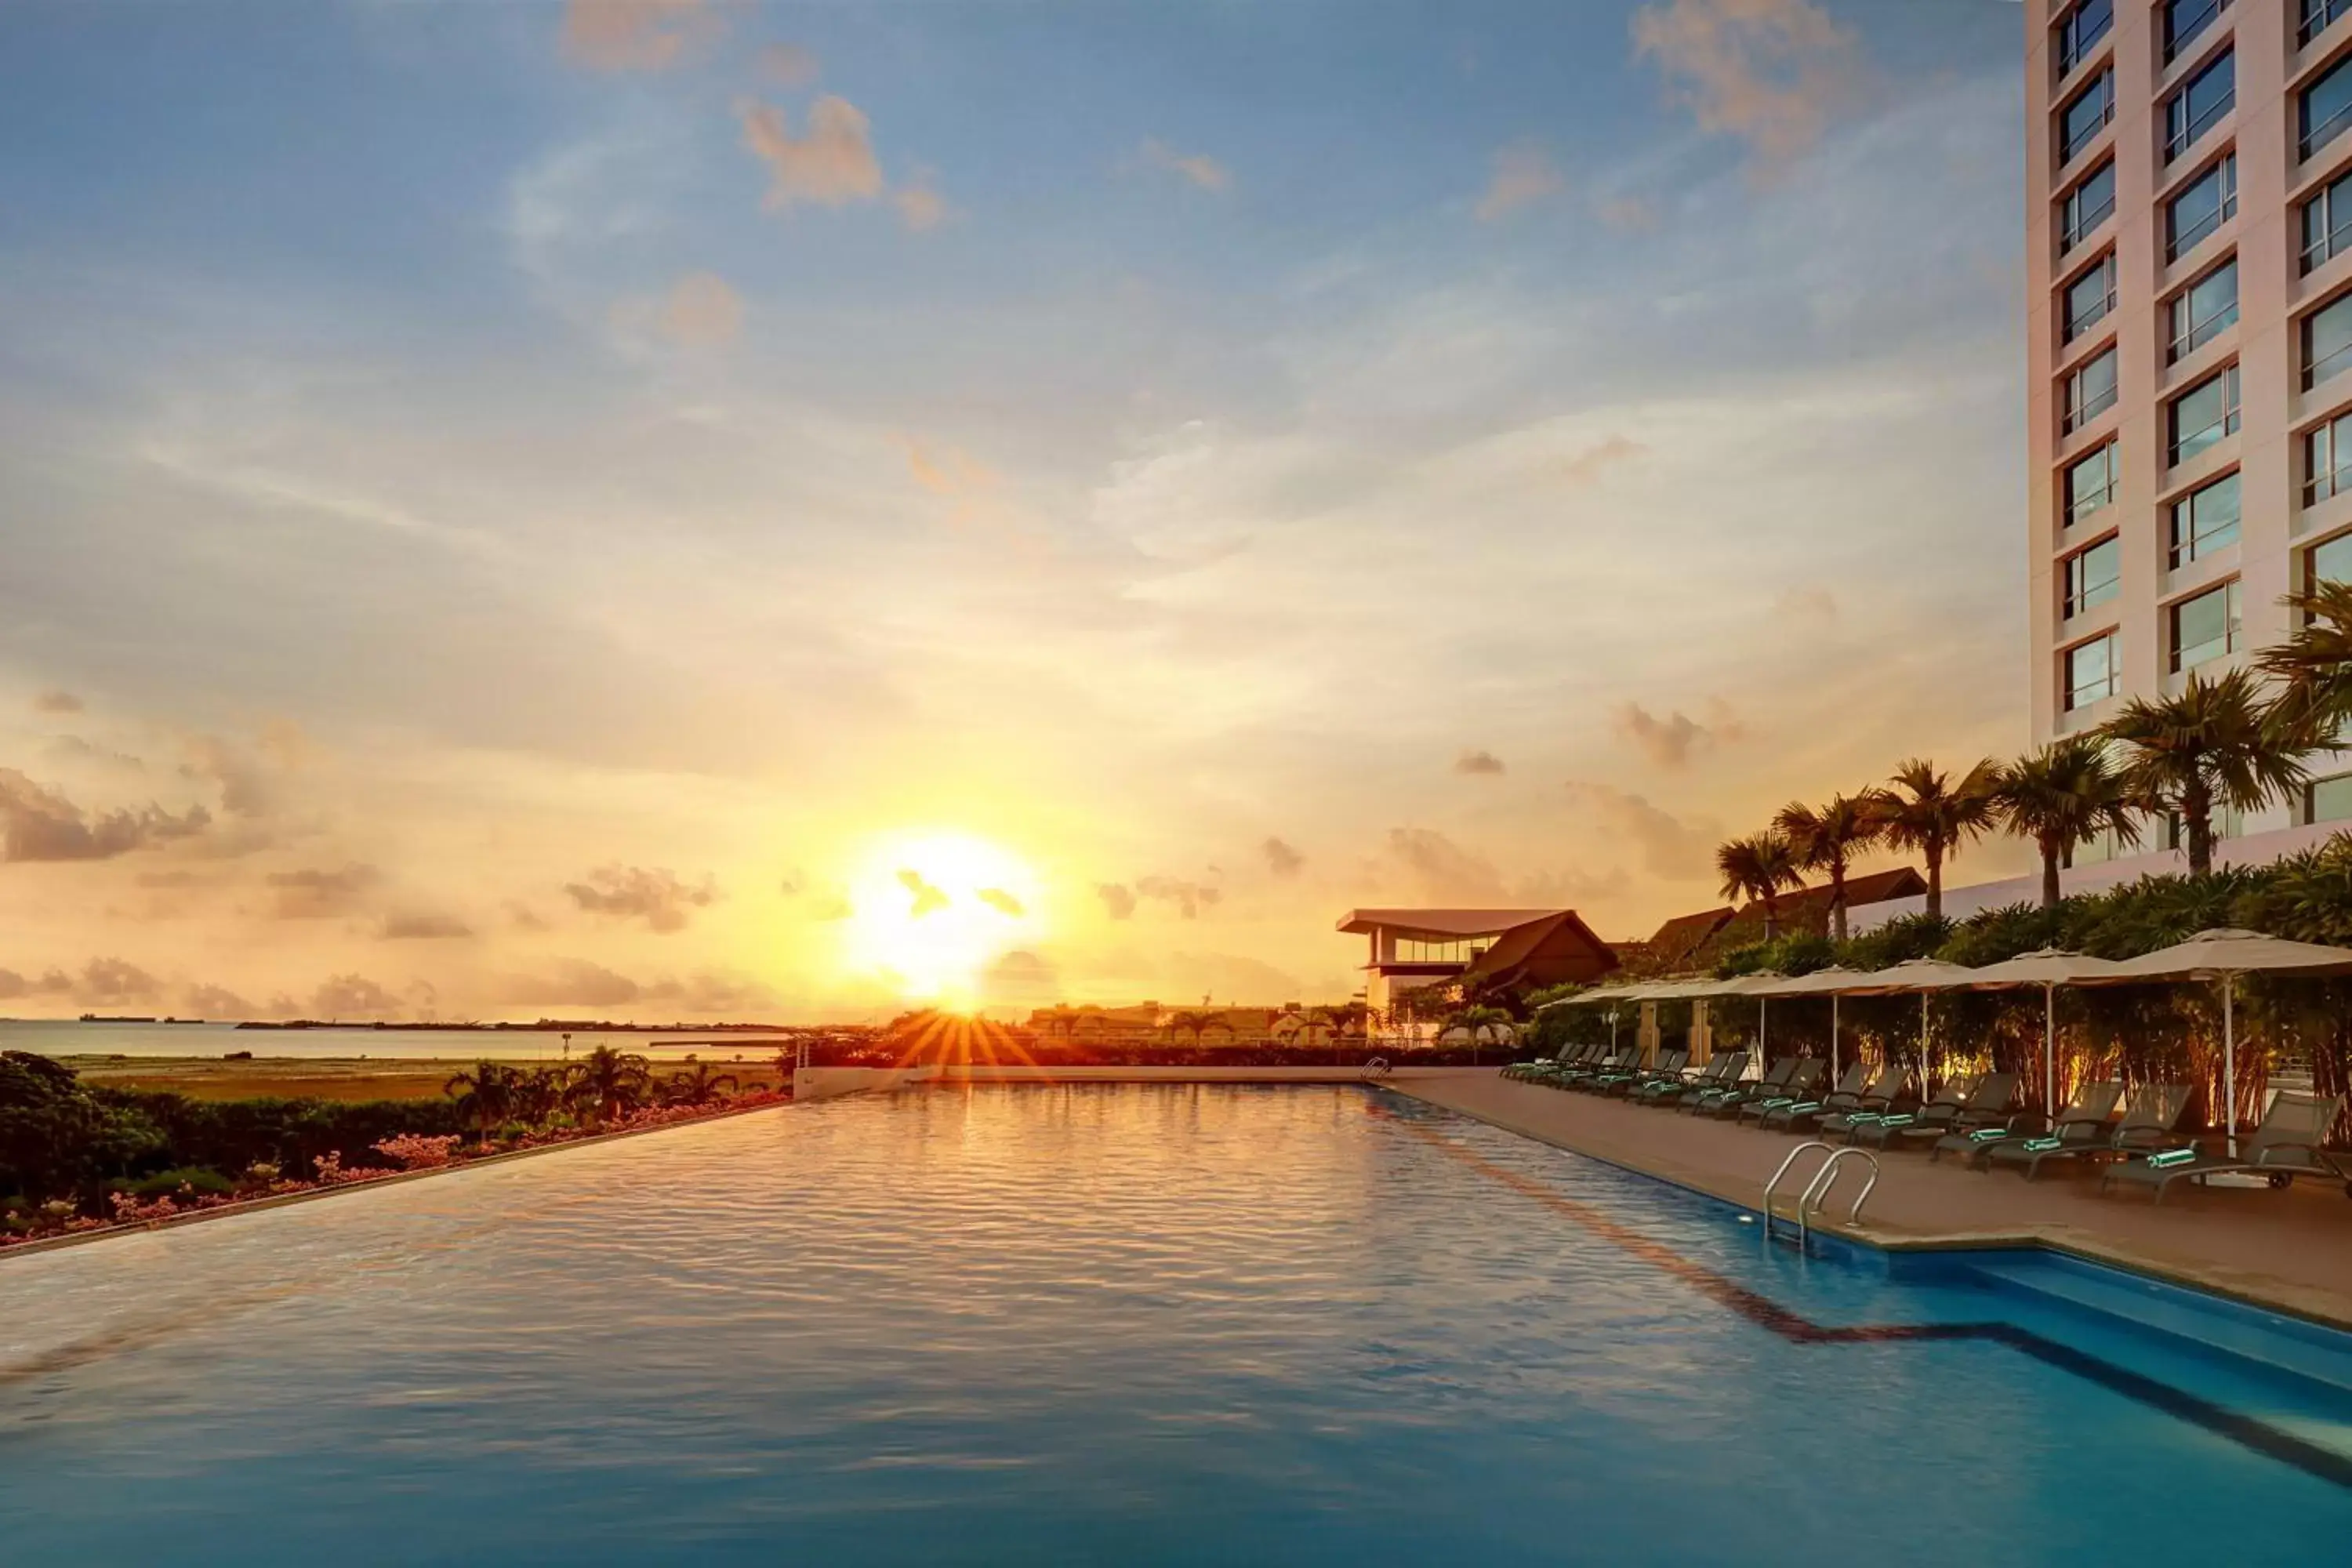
(1133, 1324)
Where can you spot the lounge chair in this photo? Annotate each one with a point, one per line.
(1568, 1055)
(1617, 1059)
(1987, 1104)
(1726, 1101)
(2289, 1142)
(1670, 1065)
(2150, 1114)
(1878, 1091)
(1901, 1095)
(1721, 1072)
(2083, 1122)
(1938, 1110)
(1800, 1093)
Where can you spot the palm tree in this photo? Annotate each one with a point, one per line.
(1926, 812)
(2066, 794)
(1064, 1018)
(1196, 1022)
(1476, 1020)
(486, 1095)
(2313, 667)
(539, 1095)
(1346, 1018)
(1828, 839)
(2214, 745)
(1760, 866)
(605, 1082)
(698, 1085)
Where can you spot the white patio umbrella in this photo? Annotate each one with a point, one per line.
(2223, 955)
(2048, 968)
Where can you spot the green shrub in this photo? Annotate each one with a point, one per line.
(196, 1179)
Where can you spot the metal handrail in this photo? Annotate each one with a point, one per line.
(1775, 1181)
(1817, 1194)
(1375, 1069)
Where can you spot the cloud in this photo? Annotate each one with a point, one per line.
(1281, 857)
(636, 35)
(418, 927)
(1629, 215)
(1199, 168)
(653, 895)
(1478, 763)
(1671, 850)
(1671, 742)
(571, 982)
(1767, 71)
(352, 997)
(522, 916)
(928, 899)
(209, 1001)
(702, 312)
(1118, 899)
(13, 985)
(1589, 464)
(1189, 897)
(788, 65)
(316, 893)
(710, 992)
(106, 981)
(1443, 870)
(1523, 175)
(39, 824)
(921, 206)
(56, 700)
(831, 165)
(999, 901)
(244, 786)
(1819, 606)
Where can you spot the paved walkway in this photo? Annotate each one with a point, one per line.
(2289, 1249)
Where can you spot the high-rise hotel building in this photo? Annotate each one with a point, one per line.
(2188, 245)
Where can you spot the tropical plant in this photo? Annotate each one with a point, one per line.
(698, 1085)
(2213, 744)
(1926, 811)
(1197, 1022)
(1062, 1019)
(2066, 794)
(606, 1083)
(1827, 840)
(541, 1093)
(1343, 1019)
(2313, 667)
(1760, 867)
(486, 1095)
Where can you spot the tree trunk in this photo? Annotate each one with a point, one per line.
(1934, 881)
(2050, 890)
(1771, 918)
(1837, 899)
(2197, 815)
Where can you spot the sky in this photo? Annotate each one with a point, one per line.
(699, 509)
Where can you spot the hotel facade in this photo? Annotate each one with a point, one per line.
(2189, 244)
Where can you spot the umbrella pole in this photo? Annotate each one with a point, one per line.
(2230, 1060)
(1926, 1067)
(1833, 1042)
(2049, 1053)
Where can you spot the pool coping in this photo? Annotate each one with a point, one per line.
(2064, 1240)
(311, 1194)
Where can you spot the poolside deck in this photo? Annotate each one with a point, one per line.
(2291, 1250)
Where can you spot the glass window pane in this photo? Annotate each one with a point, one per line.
(2204, 414)
(2090, 671)
(2207, 308)
(2204, 205)
(2093, 576)
(2206, 520)
(2328, 342)
(2086, 116)
(2204, 627)
(2329, 800)
(2194, 110)
(2331, 561)
(2326, 108)
(2090, 484)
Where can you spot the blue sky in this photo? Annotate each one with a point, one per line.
(499, 446)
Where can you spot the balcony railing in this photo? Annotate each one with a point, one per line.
(2196, 334)
(2185, 136)
(2090, 218)
(2334, 363)
(2327, 131)
(2071, 146)
(2079, 414)
(2187, 29)
(2318, 15)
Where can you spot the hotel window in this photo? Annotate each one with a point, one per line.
(2202, 416)
(2204, 205)
(2205, 310)
(2329, 562)
(2317, 17)
(2091, 390)
(2088, 206)
(2327, 461)
(2199, 104)
(2084, 116)
(2090, 297)
(2090, 484)
(2205, 520)
(2328, 220)
(2206, 628)
(2090, 672)
(2323, 109)
(2329, 799)
(2185, 22)
(2093, 577)
(2080, 33)
(2327, 343)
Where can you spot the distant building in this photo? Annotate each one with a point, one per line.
(1512, 949)
(1696, 942)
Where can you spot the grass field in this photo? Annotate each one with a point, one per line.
(313, 1077)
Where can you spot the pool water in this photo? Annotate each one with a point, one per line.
(1125, 1324)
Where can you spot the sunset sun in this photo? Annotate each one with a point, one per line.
(931, 909)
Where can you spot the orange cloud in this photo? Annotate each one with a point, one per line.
(702, 312)
(654, 896)
(1478, 762)
(1198, 167)
(921, 205)
(831, 165)
(39, 824)
(1767, 71)
(57, 701)
(1523, 177)
(1588, 464)
(1282, 858)
(788, 65)
(636, 35)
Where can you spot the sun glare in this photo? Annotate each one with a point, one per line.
(931, 910)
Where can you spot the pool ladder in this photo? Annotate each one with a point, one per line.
(1376, 1069)
(1816, 1194)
